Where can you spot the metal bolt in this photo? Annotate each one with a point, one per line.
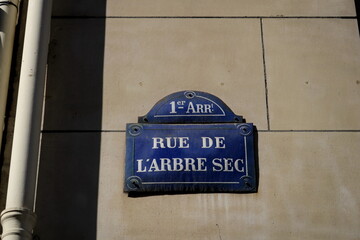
(135, 182)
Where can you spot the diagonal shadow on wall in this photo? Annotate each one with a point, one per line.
(66, 203)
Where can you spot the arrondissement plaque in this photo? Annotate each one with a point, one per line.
(190, 142)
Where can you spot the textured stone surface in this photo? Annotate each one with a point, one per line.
(313, 73)
(96, 83)
(105, 72)
(205, 8)
(308, 190)
(148, 59)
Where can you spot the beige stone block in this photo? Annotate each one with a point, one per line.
(205, 8)
(313, 73)
(104, 78)
(148, 59)
(231, 8)
(308, 190)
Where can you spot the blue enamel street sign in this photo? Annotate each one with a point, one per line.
(206, 149)
(190, 107)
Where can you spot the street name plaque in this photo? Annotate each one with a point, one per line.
(190, 142)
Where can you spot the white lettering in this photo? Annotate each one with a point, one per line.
(219, 142)
(201, 163)
(171, 142)
(165, 162)
(178, 166)
(207, 108)
(190, 108)
(228, 165)
(139, 163)
(183, 142)
(156, 141)
(154, 166)
(199, 108)
(168, 142)
(172, 107)
(190, 162)
(217, 164)
(236, 165)
(207, 142)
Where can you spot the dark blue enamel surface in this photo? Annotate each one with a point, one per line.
(190, 107)
(236, 142)
(190, 141)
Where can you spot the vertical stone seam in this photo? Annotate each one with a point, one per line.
(265, 75)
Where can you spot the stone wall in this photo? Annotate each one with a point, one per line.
(290, 67)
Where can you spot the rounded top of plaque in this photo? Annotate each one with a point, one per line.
(190, 107)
